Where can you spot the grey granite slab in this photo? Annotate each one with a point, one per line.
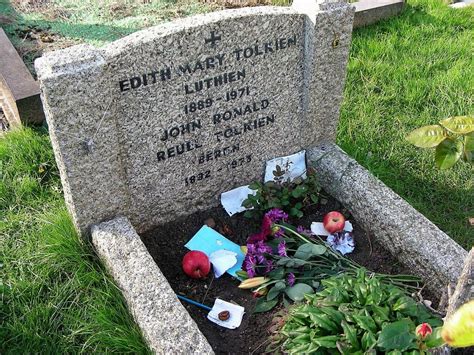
(157, 124)
(164, 322)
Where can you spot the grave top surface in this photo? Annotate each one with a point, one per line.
(158, 124)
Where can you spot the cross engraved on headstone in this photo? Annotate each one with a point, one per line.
(213, 39)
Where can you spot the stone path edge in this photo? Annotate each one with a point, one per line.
(408, 235)
(165, 323)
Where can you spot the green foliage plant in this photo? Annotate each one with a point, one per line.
(290, 196)
(452, 138)
(356, 314)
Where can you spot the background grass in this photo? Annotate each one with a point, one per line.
(55, 297)
(409, 71)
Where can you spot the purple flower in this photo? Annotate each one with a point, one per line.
(304, 231)
(269, 266)
(251, 248)
(291, 279)
(276, 215)
(249, 265)
(282, 248)
(260, 258)
(263, 248)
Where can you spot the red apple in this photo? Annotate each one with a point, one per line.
(196, 264)
(334, 222)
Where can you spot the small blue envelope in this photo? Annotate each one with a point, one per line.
(208, 241)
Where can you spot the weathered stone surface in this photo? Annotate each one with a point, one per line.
(158, 124)
(19, 92)
(407, 234)
(165, 323)
(369, 12)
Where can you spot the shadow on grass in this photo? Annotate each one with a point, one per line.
(87, 32)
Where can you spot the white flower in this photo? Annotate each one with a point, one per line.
(341, 242)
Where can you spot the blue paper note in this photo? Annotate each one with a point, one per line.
(208, 241)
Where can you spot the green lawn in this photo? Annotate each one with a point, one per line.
(55, 297)
(404, 73)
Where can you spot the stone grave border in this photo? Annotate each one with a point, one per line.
(369, 12)
(414, 240)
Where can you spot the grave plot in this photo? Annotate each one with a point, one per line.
(153, 128)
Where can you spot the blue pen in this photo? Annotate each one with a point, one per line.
(194, 302)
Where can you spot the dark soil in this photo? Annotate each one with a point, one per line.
(166, 245)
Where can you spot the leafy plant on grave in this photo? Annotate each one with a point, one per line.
(290, 196)
(357, 314)
(452, 138)
(283, 263)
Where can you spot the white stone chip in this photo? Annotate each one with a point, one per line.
(293, 165)
(236, 314)
(232, 200)
(222, 260)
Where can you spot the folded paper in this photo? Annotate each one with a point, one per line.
(236, 313)
(209, 241)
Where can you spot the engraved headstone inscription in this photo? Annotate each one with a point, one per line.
(158, 124)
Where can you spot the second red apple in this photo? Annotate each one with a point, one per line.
(334, 222)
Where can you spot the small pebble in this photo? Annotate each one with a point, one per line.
(210, 222)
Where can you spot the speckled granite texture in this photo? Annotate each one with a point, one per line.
(165, 323)
(158, 124)
(406, 233)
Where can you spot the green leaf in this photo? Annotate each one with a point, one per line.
(365, 322)
(297, 292)
(276, 290)
(314, 198)
(351, 334)
(277, 274)
(305, 251)
(242, 274)
(469, 148)
(434, 340)
(368, 341)
(324, 322)
(328, 341)
(459, 124)
(255, 186)
(296, 193)
(336, 315)
(448, 153)
(247, 203)
(427, 136)
(396, 336)
(380, 314)
(291, 262)
(264, 306)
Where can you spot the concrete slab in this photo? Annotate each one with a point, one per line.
(19, 92)
(371, 11)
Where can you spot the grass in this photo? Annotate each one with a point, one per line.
(55, 295)
(409, 71)
(403, 73)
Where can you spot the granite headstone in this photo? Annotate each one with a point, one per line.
(158, 124)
